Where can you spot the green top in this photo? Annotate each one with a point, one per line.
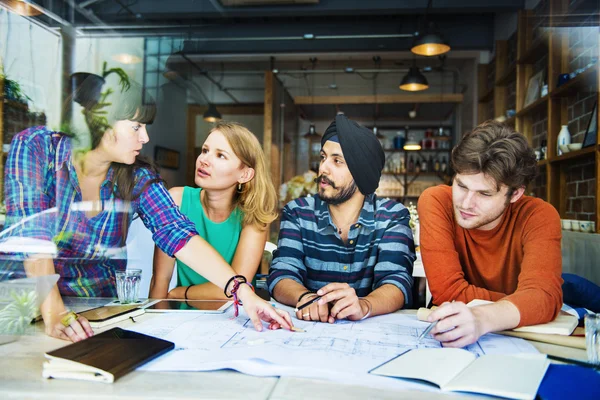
(223, 236)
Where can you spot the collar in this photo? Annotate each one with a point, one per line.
(366, 217)
(64, 158)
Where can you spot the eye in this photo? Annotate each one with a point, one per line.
(204, 150)
(338, 161)
(322, 157)
(222, 156)
(486, 194)
(137, 127)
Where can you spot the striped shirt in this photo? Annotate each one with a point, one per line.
(380, 248)
(44, 201)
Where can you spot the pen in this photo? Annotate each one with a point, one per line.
(308, 303)
(573, 361)
(426, 331)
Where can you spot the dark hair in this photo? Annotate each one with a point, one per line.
(498, 151)
(133, 103)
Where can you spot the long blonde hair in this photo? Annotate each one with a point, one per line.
(257, 198)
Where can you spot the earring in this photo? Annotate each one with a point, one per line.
(239, 188)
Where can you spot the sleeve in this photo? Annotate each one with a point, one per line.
(441, 262)
(539, 290)
(28, 202)
(288, 259)
(171, 230)
(396, 255)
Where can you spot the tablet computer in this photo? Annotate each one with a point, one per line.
(202, 306)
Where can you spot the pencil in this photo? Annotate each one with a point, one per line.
(426, 331)
(308, 303)
(296, 329)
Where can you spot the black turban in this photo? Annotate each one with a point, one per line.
(362, 151)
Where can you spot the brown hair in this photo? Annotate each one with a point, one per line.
(257, 198)
(498, 151)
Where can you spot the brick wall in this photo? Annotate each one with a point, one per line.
(581, 189)
(538, 186)
(580, 107)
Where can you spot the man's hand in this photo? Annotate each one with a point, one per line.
(314, 312)
(458, 325)
(346, 303)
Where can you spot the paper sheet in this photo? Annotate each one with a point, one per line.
(342, 351)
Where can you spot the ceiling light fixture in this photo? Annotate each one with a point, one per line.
(414, 80)
(212, 115)
(126, 58)
(412, 145)
(431, 42)
(20, 7)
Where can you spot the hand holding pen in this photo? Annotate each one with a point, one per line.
(308, 309)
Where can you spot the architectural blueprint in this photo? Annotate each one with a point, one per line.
(210, 342)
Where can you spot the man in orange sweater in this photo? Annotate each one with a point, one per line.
(482, 238)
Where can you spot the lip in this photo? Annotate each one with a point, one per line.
(466, 215)
(202, 173)
(323, 184)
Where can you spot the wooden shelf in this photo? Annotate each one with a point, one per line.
(589, 77)
(574, 155)
(541, 163)
(489, 95)
(509, 76)
(539, 103)
(580, 13)
(414, 173)
(538, 49)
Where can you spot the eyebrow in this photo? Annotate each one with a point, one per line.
(217, 149)
(333, 154)
(490, 191)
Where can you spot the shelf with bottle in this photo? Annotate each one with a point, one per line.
(582, 81)
(574, 155)
(416, 164)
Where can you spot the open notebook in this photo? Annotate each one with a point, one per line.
(515, 376)
(104, 357)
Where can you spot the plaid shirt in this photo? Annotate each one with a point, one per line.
(380, 248)
(42, 184)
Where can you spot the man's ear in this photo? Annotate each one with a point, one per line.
(247, 175)
(517, 194)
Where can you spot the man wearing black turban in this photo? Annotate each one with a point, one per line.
(346, 245)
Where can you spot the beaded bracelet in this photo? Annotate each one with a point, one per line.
(370, 308)
(304, 294)
(236, 301)
(235, 278)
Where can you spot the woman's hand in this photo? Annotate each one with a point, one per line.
(79, 329)
(258, 309)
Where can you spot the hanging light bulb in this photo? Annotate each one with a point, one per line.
(412, 145)
(414, 80)
(212, 115)
(430, 44)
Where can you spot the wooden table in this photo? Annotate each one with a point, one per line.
(21, 377)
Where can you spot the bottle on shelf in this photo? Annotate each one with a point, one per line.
(411, 164)
(436, 166)
(424, 165)
(544, 149)
(444, 165)
(430, 163)
(564, 138)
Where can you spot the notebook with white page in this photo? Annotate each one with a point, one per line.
(516, 376)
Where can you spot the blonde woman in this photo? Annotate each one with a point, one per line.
(232, 209)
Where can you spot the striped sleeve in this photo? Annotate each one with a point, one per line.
(396, 253)
(171, 230)
(288, 259)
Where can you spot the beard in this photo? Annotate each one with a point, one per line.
(344, 194)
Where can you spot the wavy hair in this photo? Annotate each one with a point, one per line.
(498, 151)
(257, 198)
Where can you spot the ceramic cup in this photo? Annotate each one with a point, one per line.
(584, 226)
(566, 224)
(574, 225)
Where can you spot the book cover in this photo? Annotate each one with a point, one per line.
(104, 357)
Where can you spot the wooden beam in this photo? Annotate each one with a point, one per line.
(191, 145)
(231, 109)
(381, 99)
(268, 119)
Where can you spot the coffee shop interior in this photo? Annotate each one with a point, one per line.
(418, 73)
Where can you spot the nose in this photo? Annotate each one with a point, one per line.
(324, 167)
(467, 201)
(202, 160)
(144, 138)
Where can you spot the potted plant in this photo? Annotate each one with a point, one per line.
(88, 86)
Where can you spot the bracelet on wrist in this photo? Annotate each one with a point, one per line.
(370, 308)
(234, 290)
(305, 294)
(186, 290)
(235, 278)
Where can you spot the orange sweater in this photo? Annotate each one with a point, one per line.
(519, 260)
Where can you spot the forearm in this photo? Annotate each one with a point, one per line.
(205, 260)
(385, 299)
(52, 307)
(204, 291)
(287, 291)
(499, 316)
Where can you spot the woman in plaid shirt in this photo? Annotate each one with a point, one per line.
(84, 202)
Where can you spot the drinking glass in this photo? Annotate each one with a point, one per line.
(128, 285)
